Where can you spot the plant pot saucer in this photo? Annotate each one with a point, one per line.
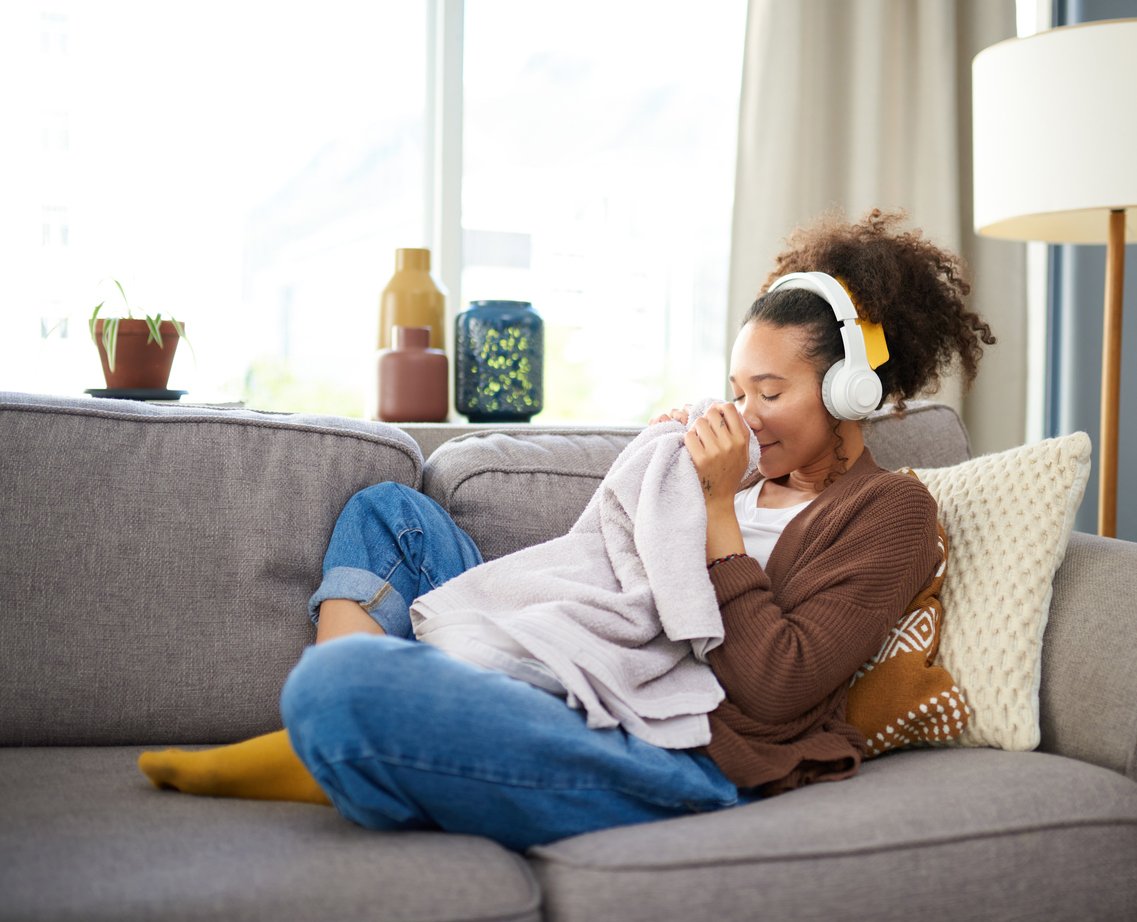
(135, 393)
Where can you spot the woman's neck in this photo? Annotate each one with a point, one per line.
(848, 445)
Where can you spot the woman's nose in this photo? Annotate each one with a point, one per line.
(751, 416)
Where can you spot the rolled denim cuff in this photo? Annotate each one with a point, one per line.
(377, 596)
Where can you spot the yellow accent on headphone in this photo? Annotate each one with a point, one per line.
(876, 348)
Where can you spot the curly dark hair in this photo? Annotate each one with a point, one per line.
(913, 288)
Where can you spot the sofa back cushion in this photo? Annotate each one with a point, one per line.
(510, 489)
(155, 562)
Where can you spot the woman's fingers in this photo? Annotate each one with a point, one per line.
(720, 419)
(676, 414)
(718, 446)
(713, 425)
(724, 420)
(737, 425)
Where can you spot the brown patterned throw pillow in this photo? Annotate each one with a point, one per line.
(900, 697)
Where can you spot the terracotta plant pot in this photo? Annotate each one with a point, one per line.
(138, 363)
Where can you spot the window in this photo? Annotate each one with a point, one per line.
(598, 155)
(251, 168)
(247, 167)
(56, 231)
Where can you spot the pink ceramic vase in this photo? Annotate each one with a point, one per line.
(412, 379)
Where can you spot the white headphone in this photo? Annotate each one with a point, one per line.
(851, 388)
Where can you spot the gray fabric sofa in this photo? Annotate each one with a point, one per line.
(154, 568)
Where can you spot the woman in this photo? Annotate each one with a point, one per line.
(812, 565)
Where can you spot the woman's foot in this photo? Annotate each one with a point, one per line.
(262, 768)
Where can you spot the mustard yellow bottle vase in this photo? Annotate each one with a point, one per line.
(413, 298)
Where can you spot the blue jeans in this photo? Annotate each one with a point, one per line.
(390, 545)
(403, 736)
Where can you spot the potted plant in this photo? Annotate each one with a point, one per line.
(135, 353)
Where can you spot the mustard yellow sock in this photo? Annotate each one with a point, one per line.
(262, 768)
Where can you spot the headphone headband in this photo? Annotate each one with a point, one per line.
(850, 388)
(824, 286)
(832, 291)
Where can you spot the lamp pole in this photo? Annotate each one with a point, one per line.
(1111, 374)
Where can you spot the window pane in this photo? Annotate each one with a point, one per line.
(599, 150)
(247, 167)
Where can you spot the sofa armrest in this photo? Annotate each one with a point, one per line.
(1088, 696)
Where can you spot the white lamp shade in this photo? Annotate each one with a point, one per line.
(1055, 133)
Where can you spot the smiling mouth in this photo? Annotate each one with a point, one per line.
(767, 445)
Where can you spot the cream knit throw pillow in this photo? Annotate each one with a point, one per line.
(1008, 517)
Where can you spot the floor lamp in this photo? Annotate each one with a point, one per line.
(1055, 159)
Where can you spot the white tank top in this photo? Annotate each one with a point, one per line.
(761, 528)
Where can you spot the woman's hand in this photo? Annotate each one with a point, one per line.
(680, 415)
(719, 445)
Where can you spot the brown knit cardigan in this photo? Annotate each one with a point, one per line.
(838, 580)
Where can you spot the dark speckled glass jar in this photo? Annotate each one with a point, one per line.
(499, 357)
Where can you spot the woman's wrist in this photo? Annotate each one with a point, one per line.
(724, 537)
(720, 506)
(711, 564)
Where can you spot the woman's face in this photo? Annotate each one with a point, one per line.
(778, 393)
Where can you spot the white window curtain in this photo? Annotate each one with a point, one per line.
(867, 103)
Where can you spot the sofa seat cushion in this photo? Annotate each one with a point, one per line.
(85, 836)
(928, 834)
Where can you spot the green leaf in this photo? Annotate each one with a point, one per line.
(155, 333)
(182, 333)
(123, 293)
(94, 317)
(110, 340)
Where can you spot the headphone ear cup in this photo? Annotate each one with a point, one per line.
(827, 389)
(849, 393)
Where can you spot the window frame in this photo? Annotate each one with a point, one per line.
(445, 32)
